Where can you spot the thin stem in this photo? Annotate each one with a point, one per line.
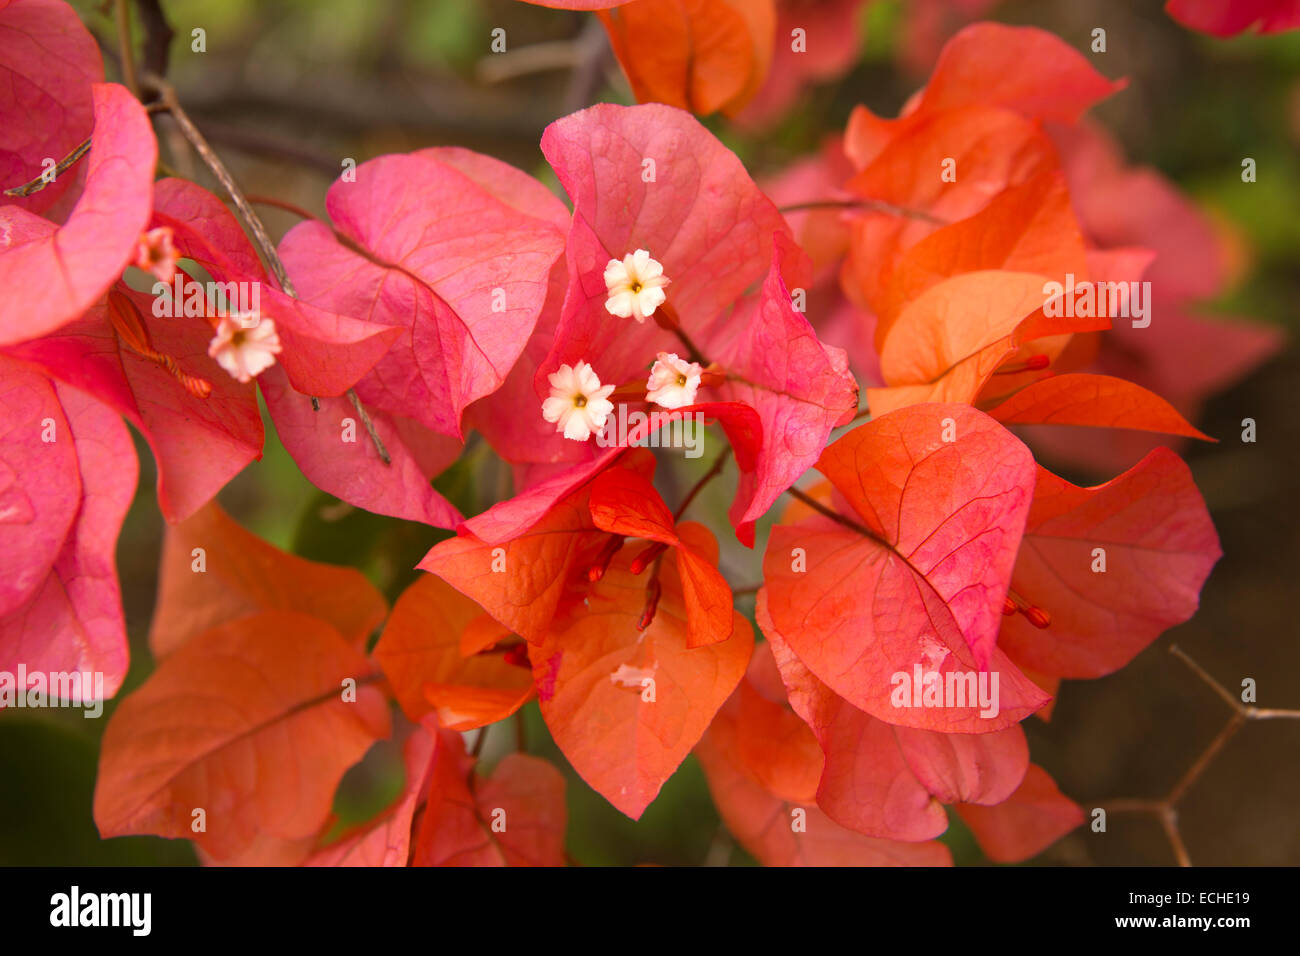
(40, 182)
(1200, 672)
(479, 741)
(283, 204)
(747, 589)
(871, 205)
(167, 93)
(1194, 772)
(1169, 821)
(157, 36)
(713, 472)
(368, 425)
(820, 508)
(125, 51)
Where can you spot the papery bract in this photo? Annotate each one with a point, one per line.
(783, 828)
(625, 503)
(1157, 545)
(63, 613)
(699, 55)
(626, 704)
(461, 824)
(212, 571)
(800, 388)
(1225, 18)
(915, 573)
(420, 653)
(263, 757)
(51, 273)
(428, 246)
(48, 62)
(200, 443)
(1029, 821)
(889, 781)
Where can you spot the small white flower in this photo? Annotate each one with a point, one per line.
(155, 252)
(635, 286)
(245, 346)
(578, 404)
(673, 381)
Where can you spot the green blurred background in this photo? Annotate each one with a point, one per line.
(287, 88)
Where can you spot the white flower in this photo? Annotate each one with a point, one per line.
(245, 345)
(673, 381)
(578, 404)
(635, 286)
(155, 252)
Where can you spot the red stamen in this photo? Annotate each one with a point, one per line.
(1037, 617)
(644, 559)
(605, 555)
(652, 593)
(130, 328)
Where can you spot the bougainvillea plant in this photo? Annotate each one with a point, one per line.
(855, 366)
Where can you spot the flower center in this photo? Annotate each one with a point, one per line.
(681, 379)
(580, 401)
(636, 285)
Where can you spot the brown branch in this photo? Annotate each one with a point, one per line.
(261, 237)
(368, 425)
(1166, 810)
(1218, 688)
(157, 36)
(122, 14)
(40, 182)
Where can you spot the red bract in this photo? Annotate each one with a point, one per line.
(971, 133)
(455, 249)
(428, 242)
(762, 764)
(53, 273)
(695, 210)
(1179, 354)
(172, 746)
(889, 781)
(212, 571)
(515, 817)
(522, 558)
(912, 572)
(1225, 18)
(224, 424)
(424, 654)
(325, 353)
(823, 49)
(800, 388)
(49, 61)
(1029, 821)
(67, 476)
(1113, 566)
(627, 702)
(625, 504)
